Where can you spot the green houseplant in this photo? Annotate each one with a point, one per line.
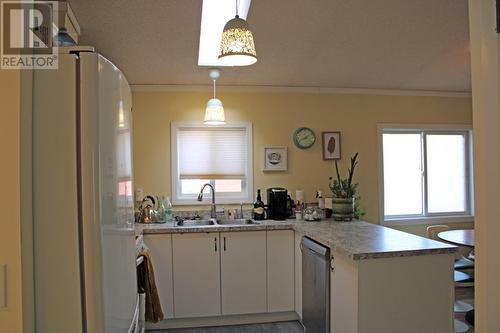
(345, 202)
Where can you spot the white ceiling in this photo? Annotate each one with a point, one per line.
(373, 44)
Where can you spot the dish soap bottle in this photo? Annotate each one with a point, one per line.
(321, 200)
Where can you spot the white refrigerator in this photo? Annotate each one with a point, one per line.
(83, 213)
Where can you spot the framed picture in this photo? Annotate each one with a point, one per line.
(275, 159)
(331, 145)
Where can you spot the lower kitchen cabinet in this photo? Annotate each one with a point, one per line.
(160, 248)
(384, 295)
(243, 272)
(280, 270)
(227, 273)
(196, 274)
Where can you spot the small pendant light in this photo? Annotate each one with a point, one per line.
(214, 113)
(237, 46)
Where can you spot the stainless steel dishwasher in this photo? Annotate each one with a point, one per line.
(315, 286)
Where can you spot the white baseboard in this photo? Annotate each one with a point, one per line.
(223, 320)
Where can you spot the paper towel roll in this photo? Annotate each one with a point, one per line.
(299, 196)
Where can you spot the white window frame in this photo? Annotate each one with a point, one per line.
(427, 218)
(183, 199)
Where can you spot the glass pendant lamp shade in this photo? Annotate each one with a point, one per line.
(237, 46)
(214, 113)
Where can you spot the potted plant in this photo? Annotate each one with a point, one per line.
(345, 194)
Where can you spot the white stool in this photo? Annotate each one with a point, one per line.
(461, 327)
(462, 307)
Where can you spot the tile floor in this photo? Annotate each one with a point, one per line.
(284, 327)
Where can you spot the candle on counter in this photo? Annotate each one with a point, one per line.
(328, 207)
(328, 203)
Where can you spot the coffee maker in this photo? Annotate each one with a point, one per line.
(277, 200)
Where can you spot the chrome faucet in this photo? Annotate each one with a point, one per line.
(213, 211)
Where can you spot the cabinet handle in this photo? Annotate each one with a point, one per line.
(224, 243)
(215, 243)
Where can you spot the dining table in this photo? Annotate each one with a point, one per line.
(464, 237)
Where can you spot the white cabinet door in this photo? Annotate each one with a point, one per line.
(280, 271)
(298, 274)
(344, 296)
(243, 272)
(196, 268)
(160, 248)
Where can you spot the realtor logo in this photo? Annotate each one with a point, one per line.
(27, 32)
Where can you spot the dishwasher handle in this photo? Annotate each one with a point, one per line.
(314, 252)
(309, 249)
(314, 247)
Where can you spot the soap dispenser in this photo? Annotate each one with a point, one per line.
(321, 200)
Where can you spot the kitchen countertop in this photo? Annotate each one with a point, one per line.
(357, 240)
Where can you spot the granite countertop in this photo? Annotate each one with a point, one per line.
(357, 240)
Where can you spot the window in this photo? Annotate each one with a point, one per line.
(426, 173)
(219, 155)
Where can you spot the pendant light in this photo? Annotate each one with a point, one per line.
(237, 46)
(214, 113)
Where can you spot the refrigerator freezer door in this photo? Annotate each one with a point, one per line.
(108, 228)
(58, 302)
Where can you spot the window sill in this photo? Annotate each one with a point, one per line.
(429, 220)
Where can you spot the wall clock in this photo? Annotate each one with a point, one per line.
(304, 138)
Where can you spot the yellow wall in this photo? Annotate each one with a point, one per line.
(10, 234)
(275, 116)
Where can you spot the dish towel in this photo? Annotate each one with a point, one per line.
(146, 284)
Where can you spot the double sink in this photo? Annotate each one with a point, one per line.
(214, 222)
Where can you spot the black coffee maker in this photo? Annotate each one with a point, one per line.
(277, 200)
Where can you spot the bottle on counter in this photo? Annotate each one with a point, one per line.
(299, 197)
(168, 210)
(321, 200)
(298, 211)
(258, 208)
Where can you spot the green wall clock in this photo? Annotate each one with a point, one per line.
(304, 137)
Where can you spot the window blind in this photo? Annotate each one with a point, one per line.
(219, 153)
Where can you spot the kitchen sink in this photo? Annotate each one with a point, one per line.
(237, 222)
(194, 223)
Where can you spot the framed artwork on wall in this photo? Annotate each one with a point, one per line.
(275, 159)
(331, 145)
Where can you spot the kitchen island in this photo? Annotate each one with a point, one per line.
(382, 280)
